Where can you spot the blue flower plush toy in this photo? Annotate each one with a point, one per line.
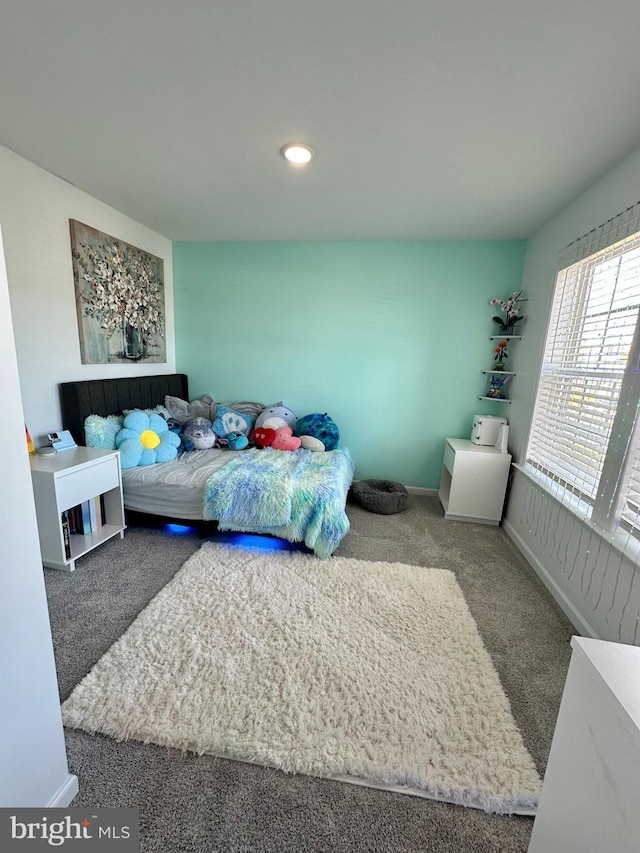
(145, 439)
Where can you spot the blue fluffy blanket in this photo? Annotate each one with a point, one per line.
(296, 495)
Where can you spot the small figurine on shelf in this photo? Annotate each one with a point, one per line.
(497, 384)
(500, 355)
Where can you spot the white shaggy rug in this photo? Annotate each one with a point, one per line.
(372, 673)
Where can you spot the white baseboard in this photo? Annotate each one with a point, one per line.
(418, 490)
(65, 793)
(573, 614)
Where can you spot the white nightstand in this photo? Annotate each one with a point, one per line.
(473, 482)
(66, 479)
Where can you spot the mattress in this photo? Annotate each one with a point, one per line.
(174, 489)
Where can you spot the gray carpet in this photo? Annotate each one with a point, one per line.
(192, 803)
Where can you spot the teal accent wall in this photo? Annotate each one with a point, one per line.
(389, 338)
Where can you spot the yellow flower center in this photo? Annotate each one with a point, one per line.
(149, 439)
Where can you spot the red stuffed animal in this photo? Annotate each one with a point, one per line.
(263, 436)
(278, 439)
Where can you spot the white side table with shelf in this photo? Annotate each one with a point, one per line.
(64, 480)
(473, 483)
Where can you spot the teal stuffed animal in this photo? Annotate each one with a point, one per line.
(237, 441)
(321, 428)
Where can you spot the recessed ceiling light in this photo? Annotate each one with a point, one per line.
(297, 153)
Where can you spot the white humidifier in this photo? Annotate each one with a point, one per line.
(486, 428)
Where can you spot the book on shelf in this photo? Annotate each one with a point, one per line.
(99, 512)
(87, 517)
(66, 535)
(93, 516)
(83, 519)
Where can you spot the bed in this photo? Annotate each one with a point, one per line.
(299, 496)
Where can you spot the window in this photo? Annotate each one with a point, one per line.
(584, 444)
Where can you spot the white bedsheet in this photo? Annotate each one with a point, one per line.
(174, 489)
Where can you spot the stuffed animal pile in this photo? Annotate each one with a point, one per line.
(274, 428)
(277, 427)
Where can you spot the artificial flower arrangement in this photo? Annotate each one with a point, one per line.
(500, 355)
(510, 308)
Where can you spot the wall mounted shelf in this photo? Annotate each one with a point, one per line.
(506, 373)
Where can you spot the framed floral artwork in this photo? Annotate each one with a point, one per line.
(119, 299)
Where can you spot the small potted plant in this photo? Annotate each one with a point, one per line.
(511, 311)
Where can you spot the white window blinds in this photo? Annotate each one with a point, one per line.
(583, 436)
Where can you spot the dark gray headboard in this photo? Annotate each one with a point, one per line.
(111, 396)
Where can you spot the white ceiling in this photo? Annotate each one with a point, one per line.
(431, 119)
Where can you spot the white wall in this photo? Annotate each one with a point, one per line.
(597, 587)
(37, 308)
(33, 763)
(35, 208)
